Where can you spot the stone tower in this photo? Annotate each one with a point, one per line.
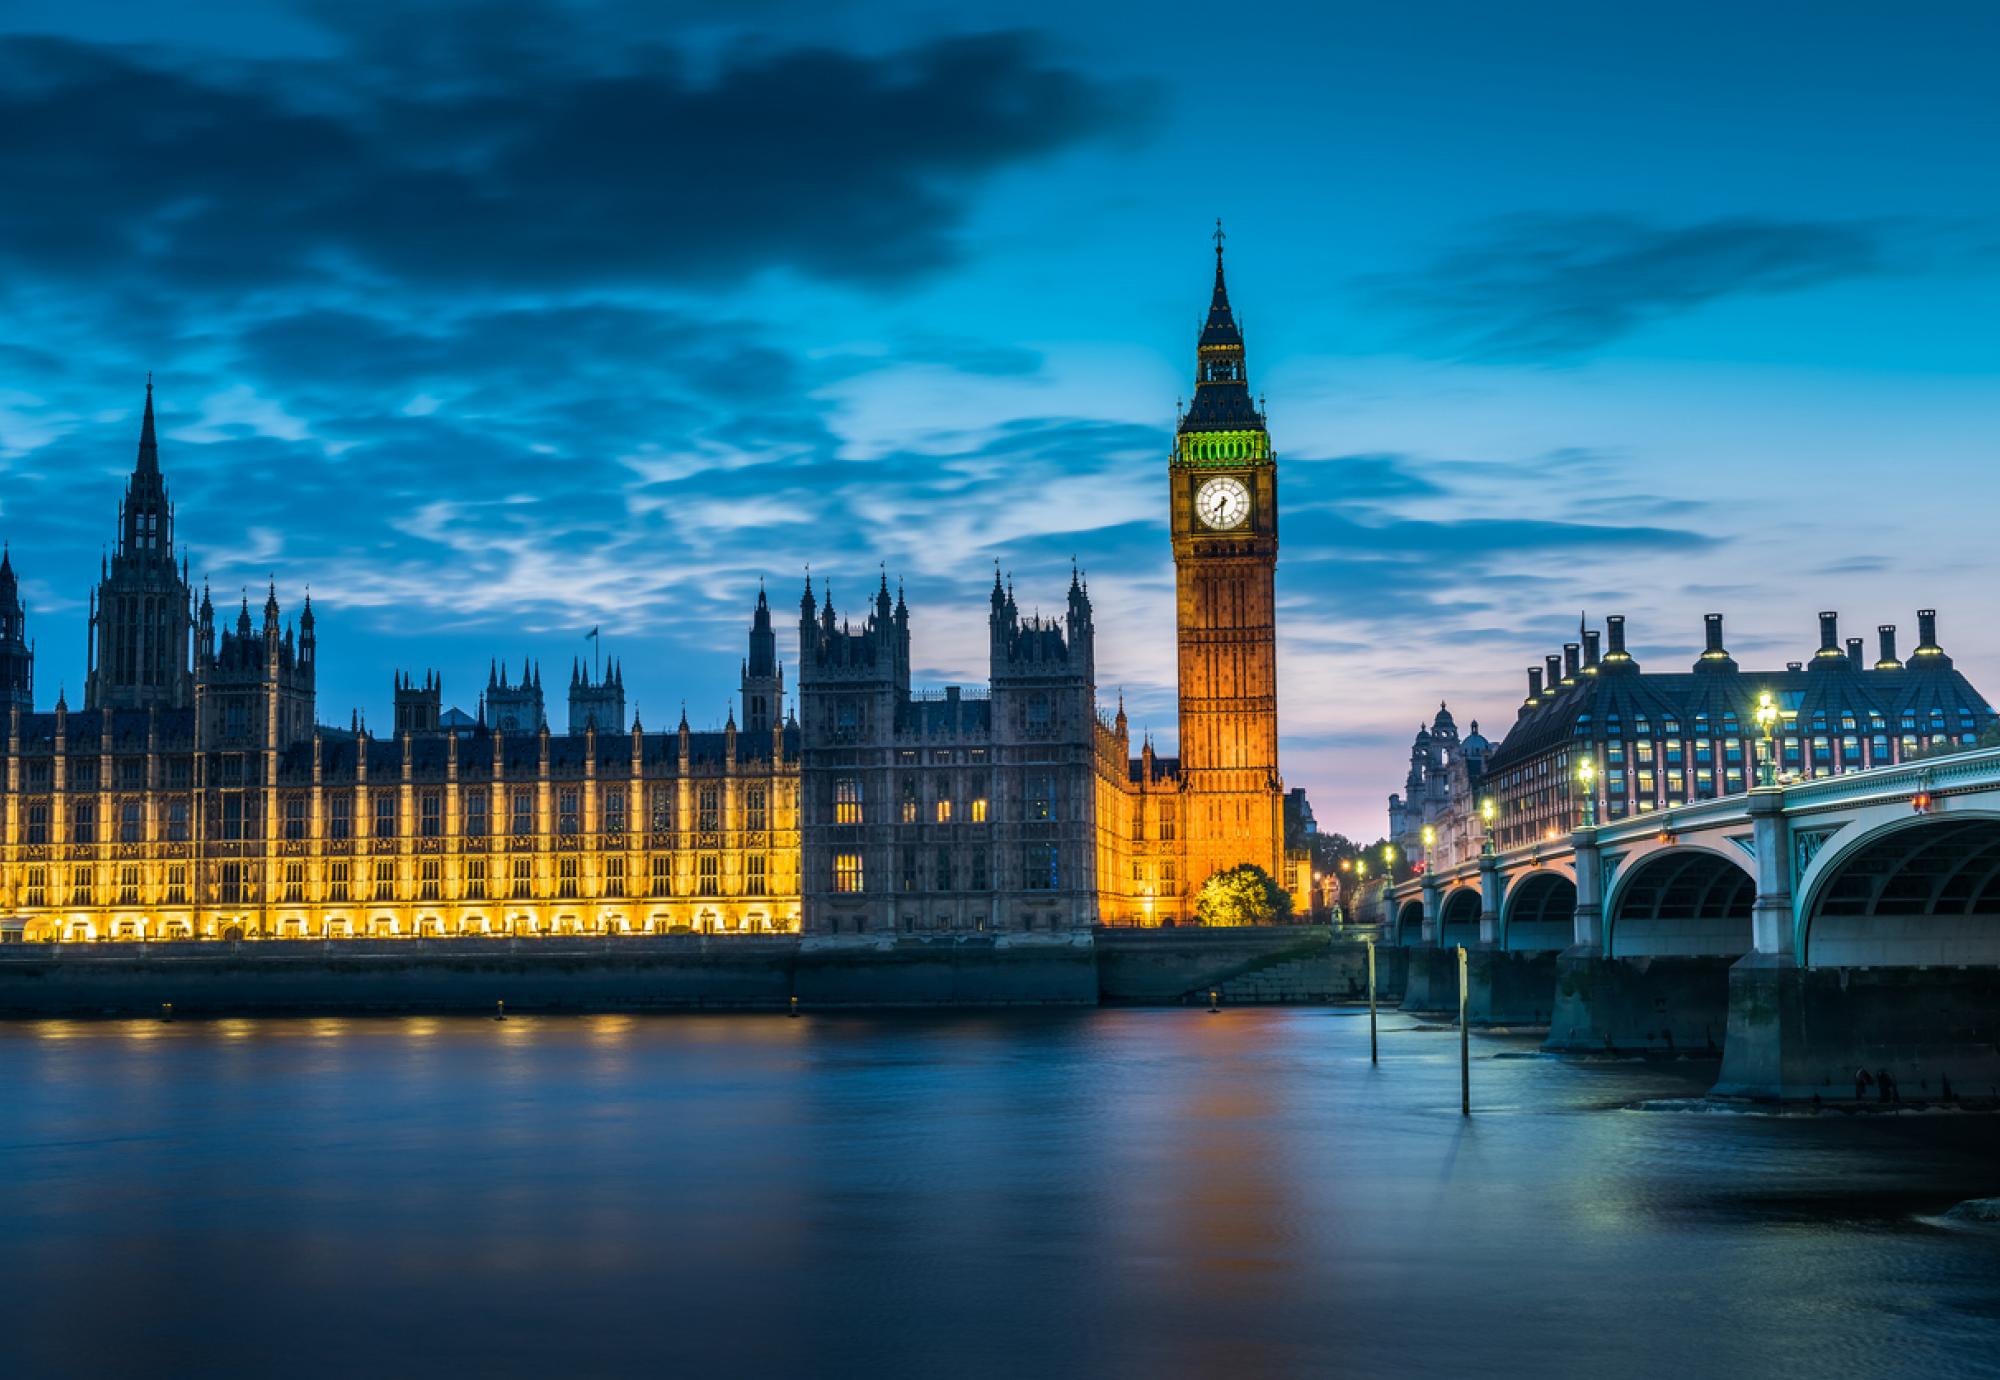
(419, 704)
(17, 658)
(139, 613)
(763, 677)
(255, 686)
(515, 708)
(596, 700)
(1223, 496)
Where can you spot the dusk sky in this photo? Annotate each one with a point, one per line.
(493, 323)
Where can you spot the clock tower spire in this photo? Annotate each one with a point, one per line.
(1223, 498)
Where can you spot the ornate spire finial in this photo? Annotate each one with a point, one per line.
(149, 447)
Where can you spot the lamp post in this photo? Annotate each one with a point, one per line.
(1766, 715)
(1430, 838)
(1586, 777)
(1488, 811)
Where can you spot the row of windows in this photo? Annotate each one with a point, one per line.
(236, 815)
(1039, 801)
(1040, 870)
(237, 883)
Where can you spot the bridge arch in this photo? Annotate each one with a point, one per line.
(1923, 890)
(1539, 912)
(1409, 923)
(1458, 918)
(1682, 901)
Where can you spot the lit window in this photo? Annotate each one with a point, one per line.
(847, 872)
(847, 805)
(979, 809)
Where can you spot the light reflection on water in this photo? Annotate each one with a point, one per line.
(1123, 1193)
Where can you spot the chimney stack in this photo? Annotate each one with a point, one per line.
(1887, 633)
(1927, 642)
(1614, 630)
(1854, 652)
(1590, 650)
(1570, 650)
(1829, 634)
(1713, 627)
(1534, 684)
(1555, 672)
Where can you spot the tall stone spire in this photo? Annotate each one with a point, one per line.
(1222, 383)
(17, 658)
(140, 624)
(149, 445)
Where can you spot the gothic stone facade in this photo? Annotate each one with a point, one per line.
(198, 795)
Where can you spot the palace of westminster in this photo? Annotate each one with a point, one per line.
(196, 794)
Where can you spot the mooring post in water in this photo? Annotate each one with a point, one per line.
(499, 1010)
(795, 1006)
(1464, 1044)
(166, 1011)
(1371, 1004)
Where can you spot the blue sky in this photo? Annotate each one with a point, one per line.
(495, 323)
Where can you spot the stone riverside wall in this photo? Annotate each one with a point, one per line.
(640, 973)
(623, 974)
(1277, 963)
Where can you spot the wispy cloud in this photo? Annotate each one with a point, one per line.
(1553, 288)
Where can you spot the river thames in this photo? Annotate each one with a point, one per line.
(1114, 1193)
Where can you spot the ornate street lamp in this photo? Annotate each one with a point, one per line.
(1488, 811)
(1586, 777)
(1430, 839)
(1766, 715)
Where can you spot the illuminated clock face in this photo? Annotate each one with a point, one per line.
(1222, 504)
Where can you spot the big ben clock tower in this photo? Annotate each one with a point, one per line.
(1223, 484)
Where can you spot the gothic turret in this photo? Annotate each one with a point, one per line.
(17, 658)
(763, 678)
(1222, 400)
(511, 707)
(596, 699)
(139, 619)
(419, 706)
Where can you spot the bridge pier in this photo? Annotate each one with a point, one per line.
(1430, 982)
(1799, 1033)
(1653, 1005)
(1510, 987)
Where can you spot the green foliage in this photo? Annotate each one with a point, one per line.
(1243, 895)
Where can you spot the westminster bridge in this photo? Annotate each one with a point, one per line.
(1807, 932)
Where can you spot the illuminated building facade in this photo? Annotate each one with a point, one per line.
(197, 794)
(1659, 740)
(1223, 500)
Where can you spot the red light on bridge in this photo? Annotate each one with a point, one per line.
(1921, 802)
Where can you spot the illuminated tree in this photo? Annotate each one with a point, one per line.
(1243, 895)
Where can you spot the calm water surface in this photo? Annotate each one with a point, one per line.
(1120, 1193)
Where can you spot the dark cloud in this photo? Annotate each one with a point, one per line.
(499, 164)
(1553, 288)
